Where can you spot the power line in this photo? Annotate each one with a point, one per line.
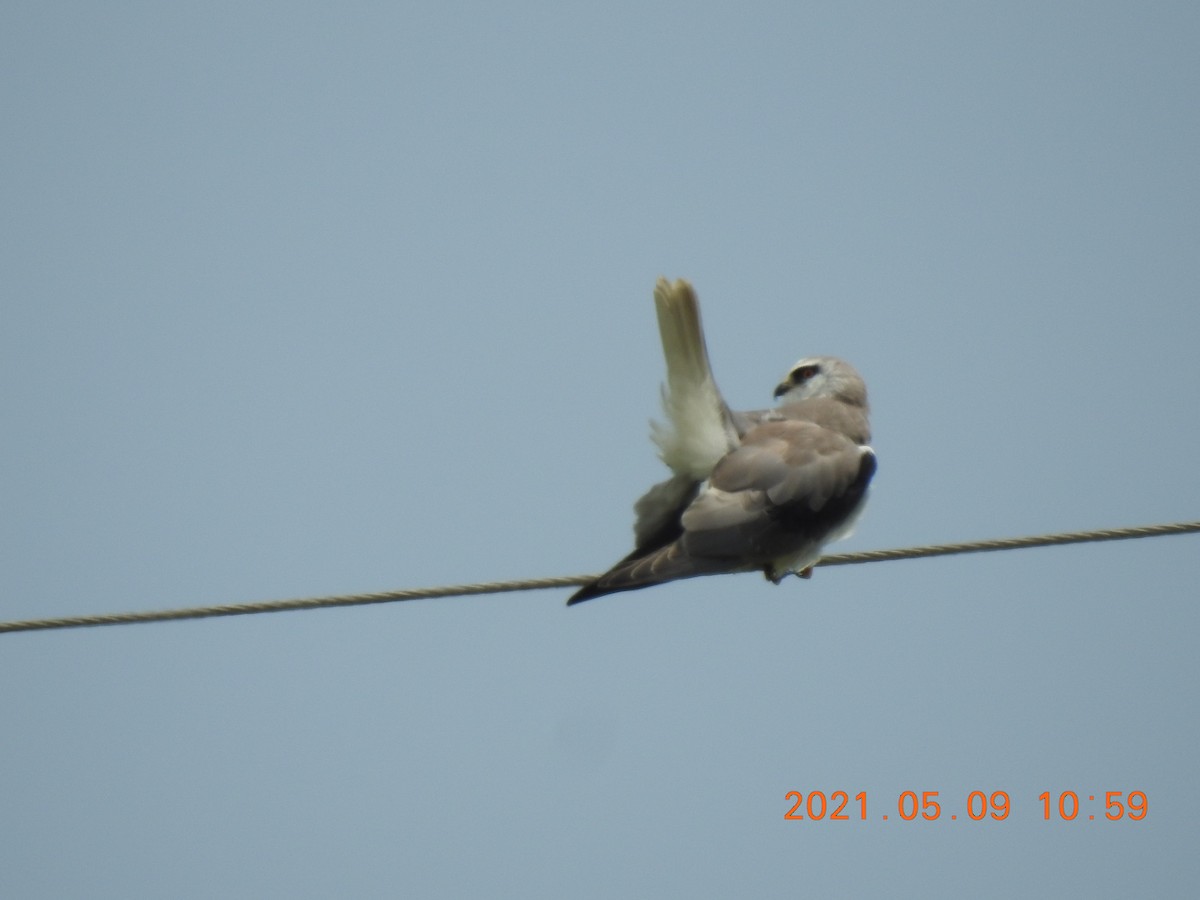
(533, 584)
(1018, 543)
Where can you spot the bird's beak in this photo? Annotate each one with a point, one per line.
(782, 388)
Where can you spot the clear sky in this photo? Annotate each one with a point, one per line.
(302, 299)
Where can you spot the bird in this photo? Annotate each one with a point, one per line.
(760, 490)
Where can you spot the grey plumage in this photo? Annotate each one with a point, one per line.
(762, 490)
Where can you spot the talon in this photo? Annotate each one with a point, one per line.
(806, 572)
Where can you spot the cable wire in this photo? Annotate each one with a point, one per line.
(534, 584)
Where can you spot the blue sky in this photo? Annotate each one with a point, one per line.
(301, 299)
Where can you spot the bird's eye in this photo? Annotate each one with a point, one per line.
(802, 374)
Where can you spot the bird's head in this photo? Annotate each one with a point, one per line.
(822, 376)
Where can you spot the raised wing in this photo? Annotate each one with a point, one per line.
(699, 428)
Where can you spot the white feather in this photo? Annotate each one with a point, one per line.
(698, 430)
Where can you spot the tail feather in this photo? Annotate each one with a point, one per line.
(670, 563)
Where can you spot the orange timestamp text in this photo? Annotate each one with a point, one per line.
(977, 806)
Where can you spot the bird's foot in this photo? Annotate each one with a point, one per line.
(774, 576)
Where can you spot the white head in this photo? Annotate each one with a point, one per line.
(823, 376)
